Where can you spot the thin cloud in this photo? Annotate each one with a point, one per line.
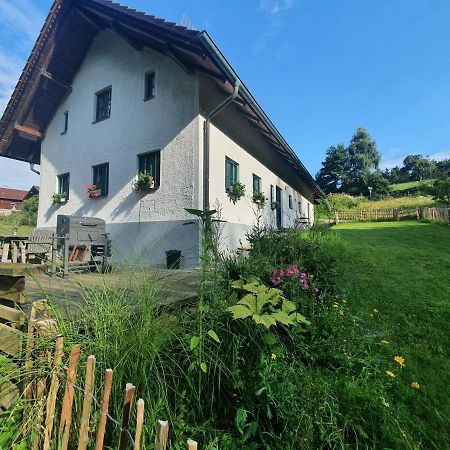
(21, 19)
(398, 161)
(10, 68)
(275, 7)
(274, 10)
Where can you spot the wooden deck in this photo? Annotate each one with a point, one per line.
(173, 285)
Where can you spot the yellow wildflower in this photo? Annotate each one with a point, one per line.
(390, 374)
(344, 301)
(375, 310)
(341, 312)
(384, 341)
(415, 385)
(273, 356)
(335, 305)
(385, 403)
(400, 361)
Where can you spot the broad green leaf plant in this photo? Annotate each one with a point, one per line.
(265, 305)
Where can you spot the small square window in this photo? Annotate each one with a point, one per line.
(149, 90)
(256, 184)
(103, 105)
(66, 122)
(63, 185)
(150, 163)
(290, 202)
(231, 173)
(100, 178)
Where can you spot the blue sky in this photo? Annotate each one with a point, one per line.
(319, 68)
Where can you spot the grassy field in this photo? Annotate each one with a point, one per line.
(6, 229)
(421, 201)
(409, 185)
(402, 270)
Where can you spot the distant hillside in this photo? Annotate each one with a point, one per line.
(409, 185)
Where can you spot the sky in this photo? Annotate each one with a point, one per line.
(319, 68)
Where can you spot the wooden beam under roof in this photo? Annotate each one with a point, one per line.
(32, 132)
(50, 77)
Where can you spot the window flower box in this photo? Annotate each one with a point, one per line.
(275, 205)
(93, 191)
(58, 199)
(144, 182)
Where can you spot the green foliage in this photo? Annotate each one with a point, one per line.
(266, 306)
(143, 182)
(440, 190)
(58, 198)
(236, 191)
(259, 199)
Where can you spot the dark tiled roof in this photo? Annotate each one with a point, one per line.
(12, 194)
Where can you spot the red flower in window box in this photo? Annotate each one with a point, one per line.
(93, 190)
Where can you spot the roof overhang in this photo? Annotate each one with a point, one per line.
(61, 46)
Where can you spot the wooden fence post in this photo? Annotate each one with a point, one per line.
(139, 424)
(66, 411)
(126, 414)
(51, 399)
(163, 436)
(83, 436)
(104, 409)
(192, 445)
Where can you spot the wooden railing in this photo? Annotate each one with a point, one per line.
(374, 215)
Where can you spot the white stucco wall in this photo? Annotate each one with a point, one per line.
(241, 216)
(167, 122)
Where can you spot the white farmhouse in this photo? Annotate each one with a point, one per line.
(109, 92)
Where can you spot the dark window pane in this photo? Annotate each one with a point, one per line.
(256, 184)
(63, 185)
(231, 173)
(149, 85)
(290, 201)
(103, 110)
(150, 163)
(101, 178)
(66, 121)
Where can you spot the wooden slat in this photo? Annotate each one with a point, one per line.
(192, 445)
(51, 399)
(104, 409)
(83, 436)
(5, 251)
(10, 340)
(66, 412)
(162, 436)
(12, 287)
(11, 314)
(126, 414)
(139, 424)
(8, 394)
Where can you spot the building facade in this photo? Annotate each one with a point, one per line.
(130, 108)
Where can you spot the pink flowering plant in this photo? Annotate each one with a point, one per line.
(296, 285)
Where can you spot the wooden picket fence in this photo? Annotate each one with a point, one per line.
(437, 214)
(374, 215)
(44, 401)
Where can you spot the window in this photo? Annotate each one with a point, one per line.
(272, 194)
(290, 202)
(149, 163)
(66, 122)
(231, 173)
(103, 105)
(101, 178)
(256, 184)
(63, 185)
(149, 89)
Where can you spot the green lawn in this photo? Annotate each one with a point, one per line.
(409, 185)
(6, 229)
(402, 269)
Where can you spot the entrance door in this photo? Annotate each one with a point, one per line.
(279, 206)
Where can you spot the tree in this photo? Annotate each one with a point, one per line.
(364, 159)
(378, 184)
(419, 168)
(440, 190)
(332, 175)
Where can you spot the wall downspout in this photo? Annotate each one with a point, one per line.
(206, 141)
(33, 169)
